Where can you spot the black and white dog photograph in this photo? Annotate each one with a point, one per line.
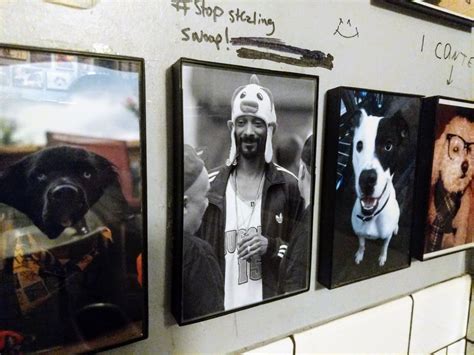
(372, 157)
(244, 194)
(72, 241)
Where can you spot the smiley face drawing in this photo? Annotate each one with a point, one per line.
(346, 31)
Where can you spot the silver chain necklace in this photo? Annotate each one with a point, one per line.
(253, 203)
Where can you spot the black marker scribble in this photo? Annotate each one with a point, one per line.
(450, 79)
(308, 58)
(277, 45)
(338, 31)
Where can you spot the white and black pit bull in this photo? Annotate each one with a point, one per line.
(375, 152)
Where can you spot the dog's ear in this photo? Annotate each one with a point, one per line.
(111, 206)
(13, 182)
(107, 172)
(356, 118)
(402, 125)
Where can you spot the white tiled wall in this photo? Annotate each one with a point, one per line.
(443, 351)
(440, 315)
(385, 327)
(470, 327)
(433, 320)
(281, 347)
(457, 348)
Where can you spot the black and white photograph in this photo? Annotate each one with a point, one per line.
(72, 236)
(462, 9)
(446, 184)
(368, 185)
(456, 11)
(245, 144)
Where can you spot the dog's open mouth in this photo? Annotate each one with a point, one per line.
(369, 204)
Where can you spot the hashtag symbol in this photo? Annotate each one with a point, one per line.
(181, 5)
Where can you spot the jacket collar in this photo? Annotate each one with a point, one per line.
(216, 194)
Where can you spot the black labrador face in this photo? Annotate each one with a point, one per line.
(56, 186)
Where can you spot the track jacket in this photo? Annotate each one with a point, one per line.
(281, 207)
(294, 266)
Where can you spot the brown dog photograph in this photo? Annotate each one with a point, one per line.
(450, 220)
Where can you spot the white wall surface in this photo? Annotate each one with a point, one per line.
(387, 55)
(430, 321)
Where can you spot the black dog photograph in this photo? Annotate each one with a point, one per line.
(72, 236)
(368, 185)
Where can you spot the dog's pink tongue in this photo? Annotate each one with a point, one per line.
(368, 202)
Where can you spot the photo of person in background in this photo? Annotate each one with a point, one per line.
(295, 264)
(202, 278)
(253, 203)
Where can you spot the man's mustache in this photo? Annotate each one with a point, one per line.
(249, 139)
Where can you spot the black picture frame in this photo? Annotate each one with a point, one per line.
(211, 86)
(92, 267)
(436, 10)
(437, 115)
(337, 240)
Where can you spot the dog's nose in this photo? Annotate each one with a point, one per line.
(64, 192)
(369, 176)
(464, 166)
(367, 180)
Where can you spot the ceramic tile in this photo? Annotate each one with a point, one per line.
(458, 348)
(470, 328)
(470, 348)
(443, 351)
(280, 347)
(380, 329)
(440, 315)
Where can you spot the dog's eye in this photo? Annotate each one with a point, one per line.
(87, 174)
(242, 95)
(41, 177)
(260, 96)
(359, 146)
(388, 147)
(456, 149)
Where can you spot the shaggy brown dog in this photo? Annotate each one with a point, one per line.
(452, 173)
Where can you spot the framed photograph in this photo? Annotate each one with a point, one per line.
(59, 80)
(28, 77)
(243, 195)
(72, 202)
(445, 183)
(367, 189)
(459, 11)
